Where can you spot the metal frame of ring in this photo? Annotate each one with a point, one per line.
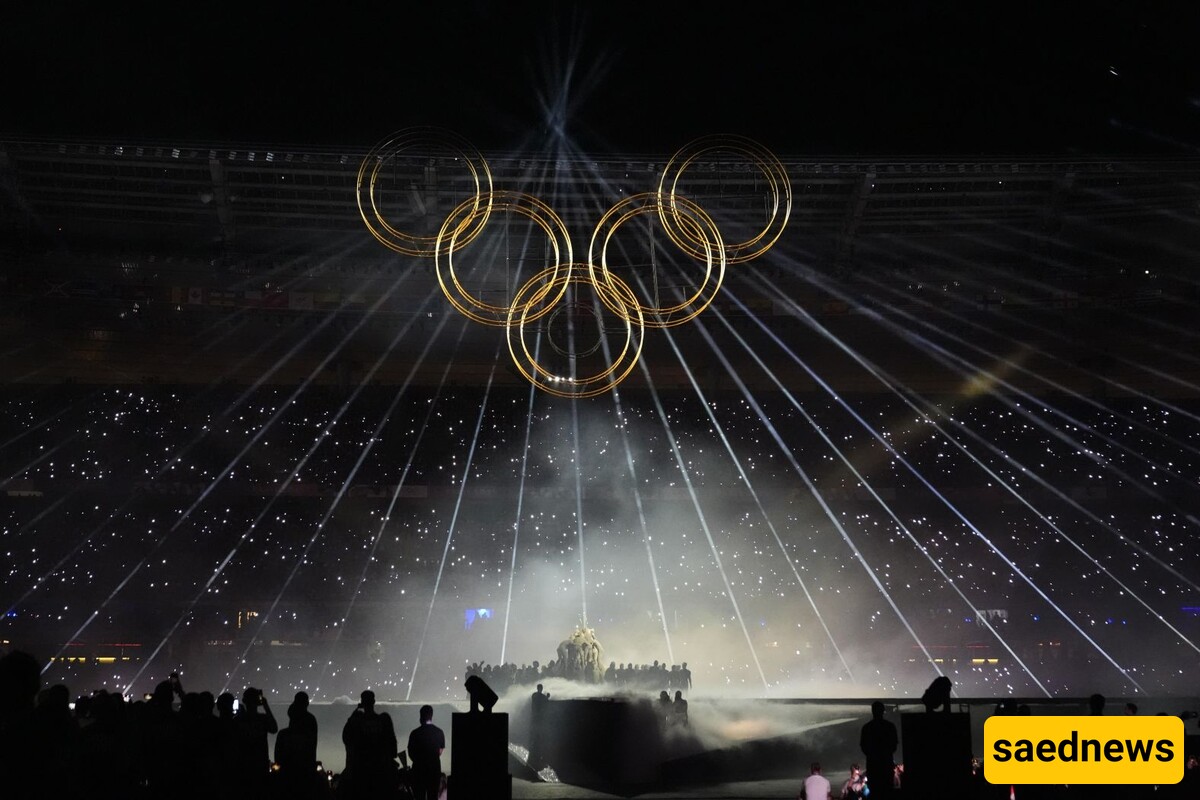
(688, 216)
(766, 161)
(409, 139)
(546, 282)
(447, 242)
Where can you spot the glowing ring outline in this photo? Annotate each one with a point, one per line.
(474, 308)
(547, 381)
(766, 161)
(689, 215)
(387, 149)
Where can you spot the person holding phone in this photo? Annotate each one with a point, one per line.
(251, 761)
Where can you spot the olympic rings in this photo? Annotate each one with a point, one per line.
(572, 386)
(472, 209)
(408, 139)
(688, 226)
(688, 217)
(766, 161)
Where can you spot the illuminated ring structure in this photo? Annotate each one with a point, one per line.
(766, 161)
(612, 293)
(687, 217)
(423, 140)
(463, 219)
(686, 224)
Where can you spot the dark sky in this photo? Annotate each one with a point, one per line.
(830, 78)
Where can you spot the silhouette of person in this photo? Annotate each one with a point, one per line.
(537, 727)
(370, 741)
(251, 763)
(679, 712)
(425, 745)
(199, 774)
(20, 679)
(296, 751)
(878, 741)
(162, 752)
(57, 733)
(664, 709)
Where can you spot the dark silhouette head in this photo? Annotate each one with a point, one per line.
(877, 709)
(225, 704)
(367, 700)
(163, 695)
(426, 714)
(1096, 704)
(56, 698)
(816, 768)
(301, 700)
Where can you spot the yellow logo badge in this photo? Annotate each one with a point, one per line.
(1080, 750)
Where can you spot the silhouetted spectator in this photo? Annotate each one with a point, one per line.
(162, 745)
(878, 742)
(250, 766)
(20, 677)
(370, 740)
(201, 745)
(425, 745)
(537, 727)
(1096, 705)
(296, 751)
(55, 736)
(106, 761)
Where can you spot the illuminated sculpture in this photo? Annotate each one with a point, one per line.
(580, 657)
(542, 297)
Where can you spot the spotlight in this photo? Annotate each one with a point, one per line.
(481, 694)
